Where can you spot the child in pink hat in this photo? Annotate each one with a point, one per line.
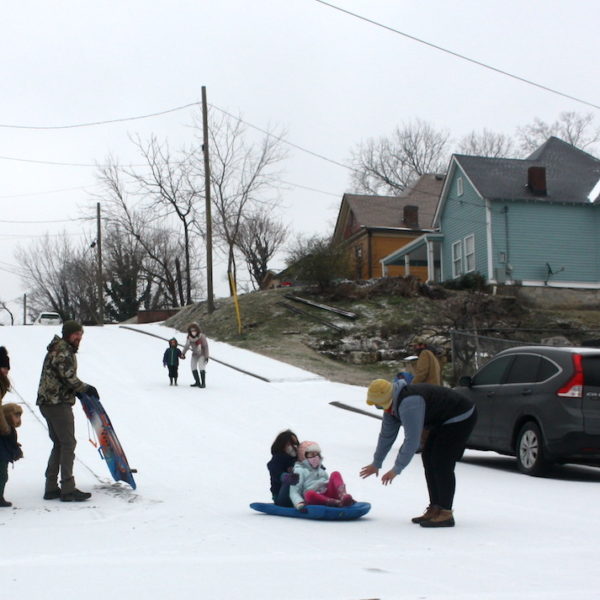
(314, 485)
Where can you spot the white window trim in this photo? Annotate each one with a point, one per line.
(460, 188)
(467, 254)
(457, 259)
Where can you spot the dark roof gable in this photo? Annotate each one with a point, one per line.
(571, 173)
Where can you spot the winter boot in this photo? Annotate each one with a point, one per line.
(52, 494)
(431, 511)
(444, 518)
(175, 381)
(4, 503)
(333, 502)
(203, 376)
(170, 381)
(346, 500)
(75, 496)
(196, 379)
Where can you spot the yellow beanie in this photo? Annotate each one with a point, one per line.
(380, 393)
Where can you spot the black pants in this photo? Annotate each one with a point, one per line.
(173, 371)
(445, 445)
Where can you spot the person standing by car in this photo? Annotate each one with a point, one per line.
(196, 341)
(427, 369)
(450, 418)
(59, 385)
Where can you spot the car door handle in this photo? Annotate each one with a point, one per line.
(491, 394)
(526, 392)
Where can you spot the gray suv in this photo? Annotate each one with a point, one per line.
(540, 404)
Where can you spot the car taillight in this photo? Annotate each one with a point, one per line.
(574, 387)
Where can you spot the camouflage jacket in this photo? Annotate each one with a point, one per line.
(59, 382)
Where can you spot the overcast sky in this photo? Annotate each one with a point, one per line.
(329, 79)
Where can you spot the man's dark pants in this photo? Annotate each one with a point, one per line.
(61, 429)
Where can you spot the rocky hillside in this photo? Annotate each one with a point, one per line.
(389, 313)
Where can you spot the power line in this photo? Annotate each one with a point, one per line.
(70, 189)
(460, 56)
(104, 122)
(283, 140)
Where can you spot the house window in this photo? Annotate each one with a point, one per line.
(457, 259)
(469, 253)
(459, 187)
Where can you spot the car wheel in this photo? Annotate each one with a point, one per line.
(530, 451)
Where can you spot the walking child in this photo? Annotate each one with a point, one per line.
(10, 449)
(196, 341)
(314, 485)
(171, 360)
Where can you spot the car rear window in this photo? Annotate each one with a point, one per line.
(591, 370)
(546, 370)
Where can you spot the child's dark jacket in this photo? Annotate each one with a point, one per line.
(10, 450)
(171, 357)
(279, 464)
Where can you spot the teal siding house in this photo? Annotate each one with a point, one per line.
(532, 221)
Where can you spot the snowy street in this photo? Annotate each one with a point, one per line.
(187, 531)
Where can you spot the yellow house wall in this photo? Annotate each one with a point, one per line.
(381, 246)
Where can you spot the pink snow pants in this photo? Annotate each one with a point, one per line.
(335, 490)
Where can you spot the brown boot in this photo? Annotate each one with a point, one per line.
(431, 511)
(444, 518)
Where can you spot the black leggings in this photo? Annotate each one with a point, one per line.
(445, 445)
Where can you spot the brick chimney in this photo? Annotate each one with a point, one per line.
(536, 181)
(411, 216)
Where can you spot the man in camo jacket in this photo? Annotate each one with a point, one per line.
(59, 385)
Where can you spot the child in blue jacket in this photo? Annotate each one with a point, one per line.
(171, 360)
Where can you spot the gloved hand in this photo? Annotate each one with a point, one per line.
(90, 390)
(300, 507)
(290, 478)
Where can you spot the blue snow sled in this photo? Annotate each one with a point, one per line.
(110, 448)
(314, 511)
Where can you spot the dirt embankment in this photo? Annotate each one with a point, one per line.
(389, 315)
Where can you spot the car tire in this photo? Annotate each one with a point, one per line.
(531, 459)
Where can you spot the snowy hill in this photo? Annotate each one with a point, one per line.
(187, 531)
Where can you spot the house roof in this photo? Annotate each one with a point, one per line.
(388, 211)
(571, 174)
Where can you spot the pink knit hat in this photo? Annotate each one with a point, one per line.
(305, 447)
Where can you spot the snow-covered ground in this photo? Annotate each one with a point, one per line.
(187, 531)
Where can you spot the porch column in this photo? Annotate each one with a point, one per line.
(406, 265)
(430, 262)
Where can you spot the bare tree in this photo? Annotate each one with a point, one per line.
(243, 178)
(487, 143)
(60, 277)
(315, 260)
(260, 237)
(575, 128)
(160, 245)
(389, 164)
(169, 186)
(125, 282)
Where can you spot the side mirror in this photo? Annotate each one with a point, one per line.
(465, 381)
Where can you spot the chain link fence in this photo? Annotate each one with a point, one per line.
(470, 350)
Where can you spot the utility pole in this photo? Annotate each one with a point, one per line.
(209, 261)
(99, 274)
